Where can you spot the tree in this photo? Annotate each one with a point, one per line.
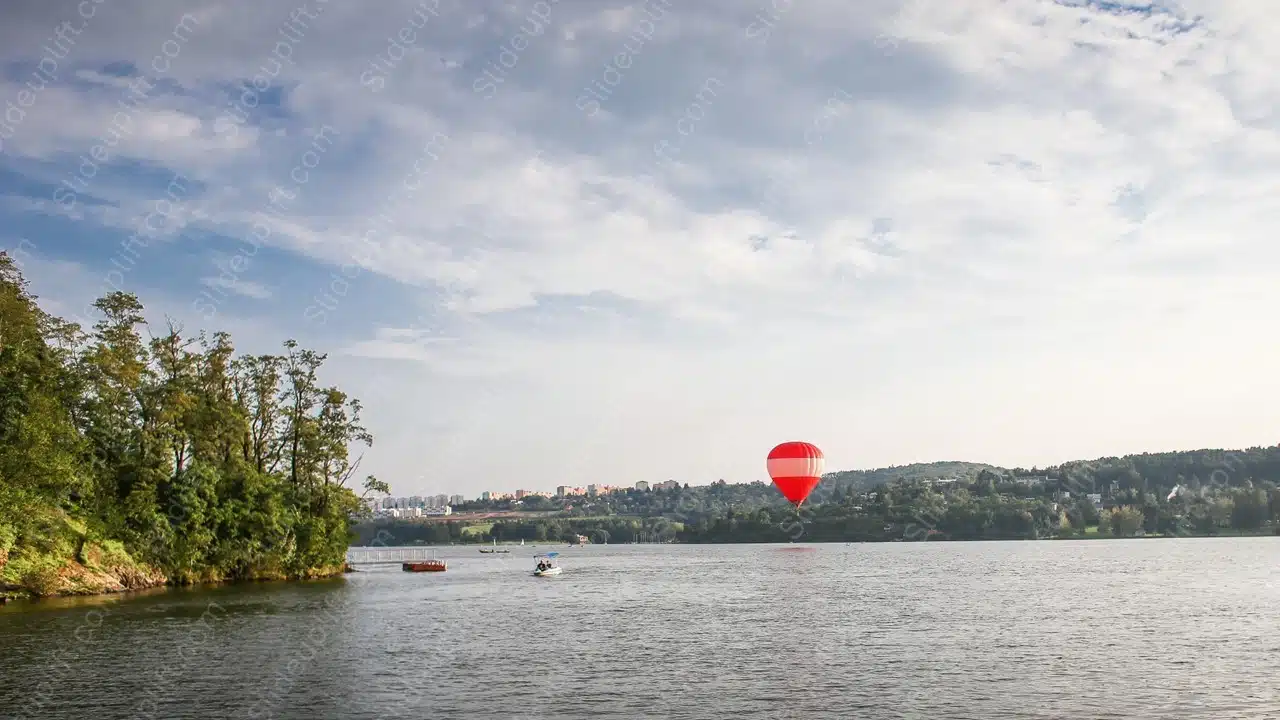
(986, 483)
(40, 449)
(1126, 521)
(197, 463)
(374, 485)
(1221, 509)
(1104, 523)
(1088, 512)
(1064, 525)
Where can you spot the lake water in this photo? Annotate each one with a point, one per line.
(1103, 629)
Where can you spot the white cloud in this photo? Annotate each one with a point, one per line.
(1031, 232)
(245, 288)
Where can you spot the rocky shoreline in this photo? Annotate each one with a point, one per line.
(97, 574)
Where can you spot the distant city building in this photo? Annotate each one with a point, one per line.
(442, 504)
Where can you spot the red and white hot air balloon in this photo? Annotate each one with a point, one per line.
(796, 468)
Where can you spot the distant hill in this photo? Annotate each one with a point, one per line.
(867, 479)
(1146, 472)
(1216, 491)
(1151, 471)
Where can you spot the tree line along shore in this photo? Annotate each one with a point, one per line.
(131, 461)
(1196, 493)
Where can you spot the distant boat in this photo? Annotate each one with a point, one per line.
(425, 566)
(432, 565)
(494, 549)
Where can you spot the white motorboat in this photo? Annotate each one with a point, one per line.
(546, 565)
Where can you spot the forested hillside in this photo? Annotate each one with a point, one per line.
(132, 455)
(856, 480)
(1200, 492)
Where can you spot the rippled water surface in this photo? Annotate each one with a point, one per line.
(1104, 629)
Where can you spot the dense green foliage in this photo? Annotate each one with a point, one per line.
(166, 452)
(1218, 492)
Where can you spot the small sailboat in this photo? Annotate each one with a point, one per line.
(546, 565)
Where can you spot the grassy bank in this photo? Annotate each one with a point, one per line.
(60, 557)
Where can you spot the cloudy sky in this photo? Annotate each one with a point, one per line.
(582, 241)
